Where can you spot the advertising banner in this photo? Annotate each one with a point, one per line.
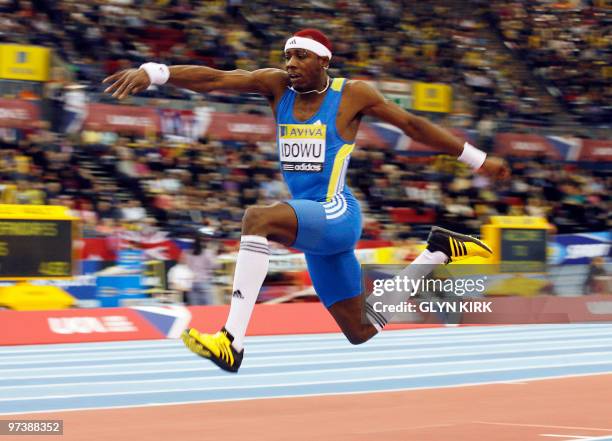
(18, 114)
(526, 145)
(123, 119)
(156, 248)
(71, 326)
(579, 249)
(241, 127)
(157, 322)
(432, 97)
(596, 150)
(398, 140)
(23, 62)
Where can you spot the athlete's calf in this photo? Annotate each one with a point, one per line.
(348, 315)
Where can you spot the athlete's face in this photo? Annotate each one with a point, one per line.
(305, 69)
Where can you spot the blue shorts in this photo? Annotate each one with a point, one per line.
(327, 233)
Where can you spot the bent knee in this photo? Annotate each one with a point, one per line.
(359, 336)
(255, 221)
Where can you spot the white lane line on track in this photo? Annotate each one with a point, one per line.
(307, 383)
(381, 432)
(278, 372)
(548, 426)
(468, 332)
(322, 394)
(341, 340)
(518, 383)
(299, 360)
(375, 346)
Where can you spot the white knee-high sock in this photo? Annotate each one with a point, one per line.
(251, 269)
(429, 258)
(422, 266)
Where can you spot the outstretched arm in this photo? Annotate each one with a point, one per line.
(373, 103)
(267, 82)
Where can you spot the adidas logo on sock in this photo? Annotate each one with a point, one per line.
(237, 294)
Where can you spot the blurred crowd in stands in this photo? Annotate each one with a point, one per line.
(550, 44)
(568, 46)
(210, 183)
(550, 51)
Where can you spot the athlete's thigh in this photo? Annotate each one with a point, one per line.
(335, 277)
(277, 222)
(311, 224)
(284, 223)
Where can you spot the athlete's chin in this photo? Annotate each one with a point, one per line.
(299, 85)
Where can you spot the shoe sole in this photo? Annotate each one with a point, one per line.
(198, 348)
(463, 237)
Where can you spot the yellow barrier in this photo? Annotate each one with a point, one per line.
(26, 297)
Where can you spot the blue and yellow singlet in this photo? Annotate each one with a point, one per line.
(314, 159)
(313, 156)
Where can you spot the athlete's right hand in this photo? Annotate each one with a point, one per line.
(125, 82)
(495, 168)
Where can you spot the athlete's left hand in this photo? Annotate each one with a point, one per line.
(496, 168)
(126, 82)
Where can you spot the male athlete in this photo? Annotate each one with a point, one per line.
(317, 119)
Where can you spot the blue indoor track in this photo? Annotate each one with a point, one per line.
(140, 373)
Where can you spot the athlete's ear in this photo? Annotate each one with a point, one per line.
(324, 62)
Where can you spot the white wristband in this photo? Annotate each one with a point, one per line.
(472, 156)
(158, 73)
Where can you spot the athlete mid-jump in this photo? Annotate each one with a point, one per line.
(317, 120)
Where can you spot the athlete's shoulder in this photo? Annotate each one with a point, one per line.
(358, 87)
(273, 80)
(362, 93)
(271, 73)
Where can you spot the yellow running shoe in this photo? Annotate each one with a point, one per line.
(455, 245)
(216, 348)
